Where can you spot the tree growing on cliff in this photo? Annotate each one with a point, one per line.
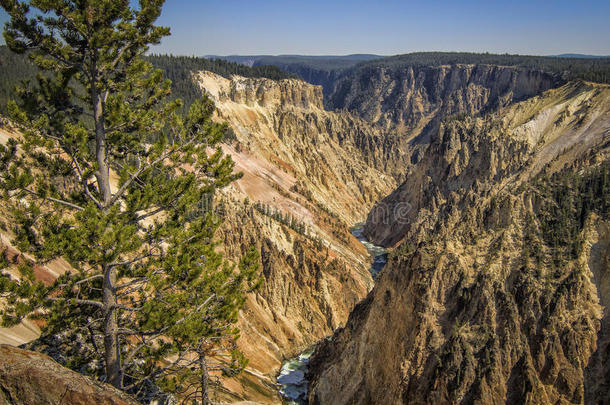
(109, 176)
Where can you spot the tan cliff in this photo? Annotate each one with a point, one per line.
(306, 181)
(282, 133)
(407, 103)
(496, 292)
(496, 150)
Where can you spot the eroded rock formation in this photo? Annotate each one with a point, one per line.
(306, 181)
(408, 103)
(496, 292)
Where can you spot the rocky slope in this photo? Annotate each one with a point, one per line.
(28, 377)
(480, 154)
(283, 134)
(497, 291)
(403, 96)
(407, 103)
(306, 181)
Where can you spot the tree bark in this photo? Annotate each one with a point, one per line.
(112, 353)
(205, 398)
(103, 170)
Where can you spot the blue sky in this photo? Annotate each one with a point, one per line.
(386, 27)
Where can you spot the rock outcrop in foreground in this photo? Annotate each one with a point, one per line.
(498, 289)
(31, 378)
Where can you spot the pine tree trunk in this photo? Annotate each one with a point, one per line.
(205, 398)
(102, 173)
(112, 353)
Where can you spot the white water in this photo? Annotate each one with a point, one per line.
(379, 254)
(292, 377)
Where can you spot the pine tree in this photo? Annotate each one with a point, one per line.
(109, 176)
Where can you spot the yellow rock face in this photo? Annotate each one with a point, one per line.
(473, 306)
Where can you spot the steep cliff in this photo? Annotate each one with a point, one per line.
(403, 97)
(306, 181)
(408, 102)
(480, 154)
(282, 134)
(497, 292)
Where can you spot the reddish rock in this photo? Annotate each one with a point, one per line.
(32, 378)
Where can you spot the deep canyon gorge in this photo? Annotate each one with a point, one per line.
(481, 191)
(468, 145)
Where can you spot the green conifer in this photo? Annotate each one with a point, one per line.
(110, 176)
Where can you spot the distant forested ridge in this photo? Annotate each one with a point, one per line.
(571, 68)
(322, 70)
(319, 70)
(325, 63)
(327, 71)
(17, 68)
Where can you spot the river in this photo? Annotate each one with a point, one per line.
(292, 374)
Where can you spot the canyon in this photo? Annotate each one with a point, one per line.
(305, 183)
(492, 293)
(456, 169)
(286, 123)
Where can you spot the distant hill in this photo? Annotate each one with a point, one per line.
(324, 62)
(320, 70)
(328, 70)
(569, 68)
(579, 55)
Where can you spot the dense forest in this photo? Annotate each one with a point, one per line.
(567, 199)
(17, 68)
(322, 63)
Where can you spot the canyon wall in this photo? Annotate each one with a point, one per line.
(305, 183)
(496, 291)
(406, 103)
(403, 97)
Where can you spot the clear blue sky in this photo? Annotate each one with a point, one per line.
(325, 27)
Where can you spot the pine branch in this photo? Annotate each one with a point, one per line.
(62, 202)
(133, 177)
(82, 281)
(155, 373)
(148, 214)
(77, 301)
(83, 179)
(132, 261)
